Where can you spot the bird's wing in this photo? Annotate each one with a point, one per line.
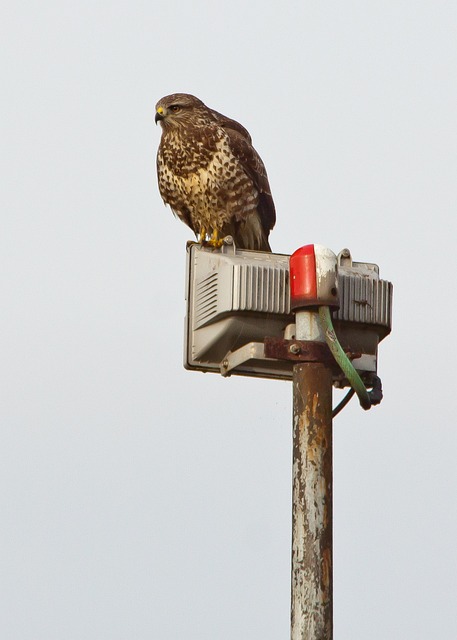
(229, 124)
(241, 147)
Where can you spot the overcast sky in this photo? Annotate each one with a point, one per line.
(139, 500)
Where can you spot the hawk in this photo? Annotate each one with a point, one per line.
(211, 175)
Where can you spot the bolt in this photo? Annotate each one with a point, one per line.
(295, 348)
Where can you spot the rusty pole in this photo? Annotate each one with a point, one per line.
(312, 575)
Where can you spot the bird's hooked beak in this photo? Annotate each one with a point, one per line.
(160, 114)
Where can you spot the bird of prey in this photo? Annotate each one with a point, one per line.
(211, 175)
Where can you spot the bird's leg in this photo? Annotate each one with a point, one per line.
(215, 241)
(202, 237)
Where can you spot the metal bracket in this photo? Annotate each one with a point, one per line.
(297, 350)
(305, 351)
(249, 351)
(273, 349)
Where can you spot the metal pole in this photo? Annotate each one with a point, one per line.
(312, 571)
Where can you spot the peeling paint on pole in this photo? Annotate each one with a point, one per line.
(312, 575)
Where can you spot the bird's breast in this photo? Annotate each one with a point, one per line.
(208, 181)
(187, 154)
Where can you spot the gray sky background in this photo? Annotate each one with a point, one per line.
(142, 501)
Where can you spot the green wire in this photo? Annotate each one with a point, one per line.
(343, 361)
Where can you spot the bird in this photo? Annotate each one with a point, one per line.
(211, 176)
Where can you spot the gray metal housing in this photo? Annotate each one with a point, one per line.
(235, 298)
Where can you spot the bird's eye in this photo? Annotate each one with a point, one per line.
(175, 108)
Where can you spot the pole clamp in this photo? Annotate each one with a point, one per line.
(300, 350)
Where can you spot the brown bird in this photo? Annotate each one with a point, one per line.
(211, 175)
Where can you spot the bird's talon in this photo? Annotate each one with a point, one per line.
(215, 241)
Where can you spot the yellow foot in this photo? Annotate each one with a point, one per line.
(202, 237)
(215, 241)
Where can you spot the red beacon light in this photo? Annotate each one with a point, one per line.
(313, 277)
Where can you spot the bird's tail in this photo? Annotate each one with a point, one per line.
(250, 234)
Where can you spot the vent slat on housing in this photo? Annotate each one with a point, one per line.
(206, 299)
(364, 300)
(260, 288)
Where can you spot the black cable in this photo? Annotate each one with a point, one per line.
(376, 392)
(343, 402)
(375, 395)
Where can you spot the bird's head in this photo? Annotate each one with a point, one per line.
(178, 109)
